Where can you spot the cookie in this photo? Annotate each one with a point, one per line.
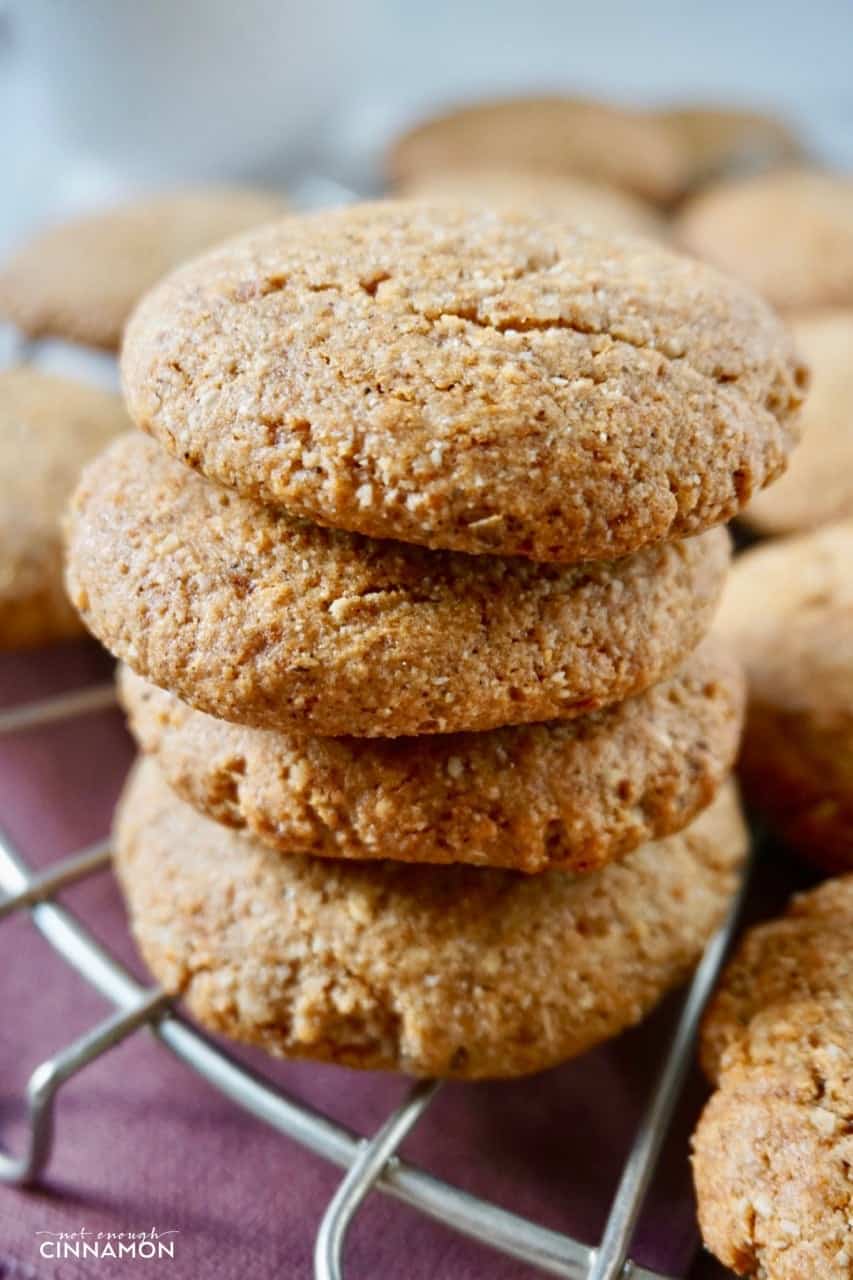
(773, 1149)
(787, 234)
(257, 618)
(818, 486)
(718, 141)
(81, 279)
(552, 135)
(571, 794)
(788, 610)
(581, 200)
(468, 380)
(49, 427)
(444, 971)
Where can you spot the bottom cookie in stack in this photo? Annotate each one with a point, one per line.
(442, 971)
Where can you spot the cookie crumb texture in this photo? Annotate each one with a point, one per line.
(572, 794)
(80, 280)
(446, 971)
(49, 427)
(254, 617)
(478, 381)
(774, 1149)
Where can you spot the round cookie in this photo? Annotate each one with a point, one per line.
(788, 610)
(581, 200)
(49, 427)
(81, 279)
(442, 971)
(571, 794)
(257, 618)
(773, 1149)
(480, 381)
(787, 234)
(723, 140)
(553, 135)
(818, 486)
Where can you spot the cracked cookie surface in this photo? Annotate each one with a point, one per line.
(254, 617)
(572, 794)
(445, 971)
(487, 382)
(773, 1151)
(49, 427)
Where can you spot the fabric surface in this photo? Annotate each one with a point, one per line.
(142, 1143)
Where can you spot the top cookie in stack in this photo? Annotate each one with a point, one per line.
(449, 460)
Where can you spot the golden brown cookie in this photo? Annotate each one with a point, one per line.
(773, 1151)
(257, 618)
(81, 279)
(788, 234)
(466, 379)
(568, 136)
(718, 141)
(581, 200)
(49, 427)
(446, 971)
(571, 794)
(788, 609)
(818, 486)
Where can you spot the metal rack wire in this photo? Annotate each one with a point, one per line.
(371, 1162)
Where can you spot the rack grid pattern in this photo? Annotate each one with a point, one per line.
(371, 1163)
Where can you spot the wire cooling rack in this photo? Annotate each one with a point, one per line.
(371, 1163)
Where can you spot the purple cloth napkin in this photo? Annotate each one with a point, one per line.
(141, 1142)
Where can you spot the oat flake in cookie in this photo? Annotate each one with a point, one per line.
(436, 971)
(255, 617)
(471, 380)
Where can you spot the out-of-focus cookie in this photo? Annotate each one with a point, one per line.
(479, 381)
(773, 1149)
(591, 204)
(788, 234)
(254, 617)
(817, 488)
(49, 427)
(788, 610)
(568, 136)
(81, 279)
(720, 141)
(572, 794)
(443, 971)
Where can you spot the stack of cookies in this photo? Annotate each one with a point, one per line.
(411, 576)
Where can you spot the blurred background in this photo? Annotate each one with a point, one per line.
(100, 98)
